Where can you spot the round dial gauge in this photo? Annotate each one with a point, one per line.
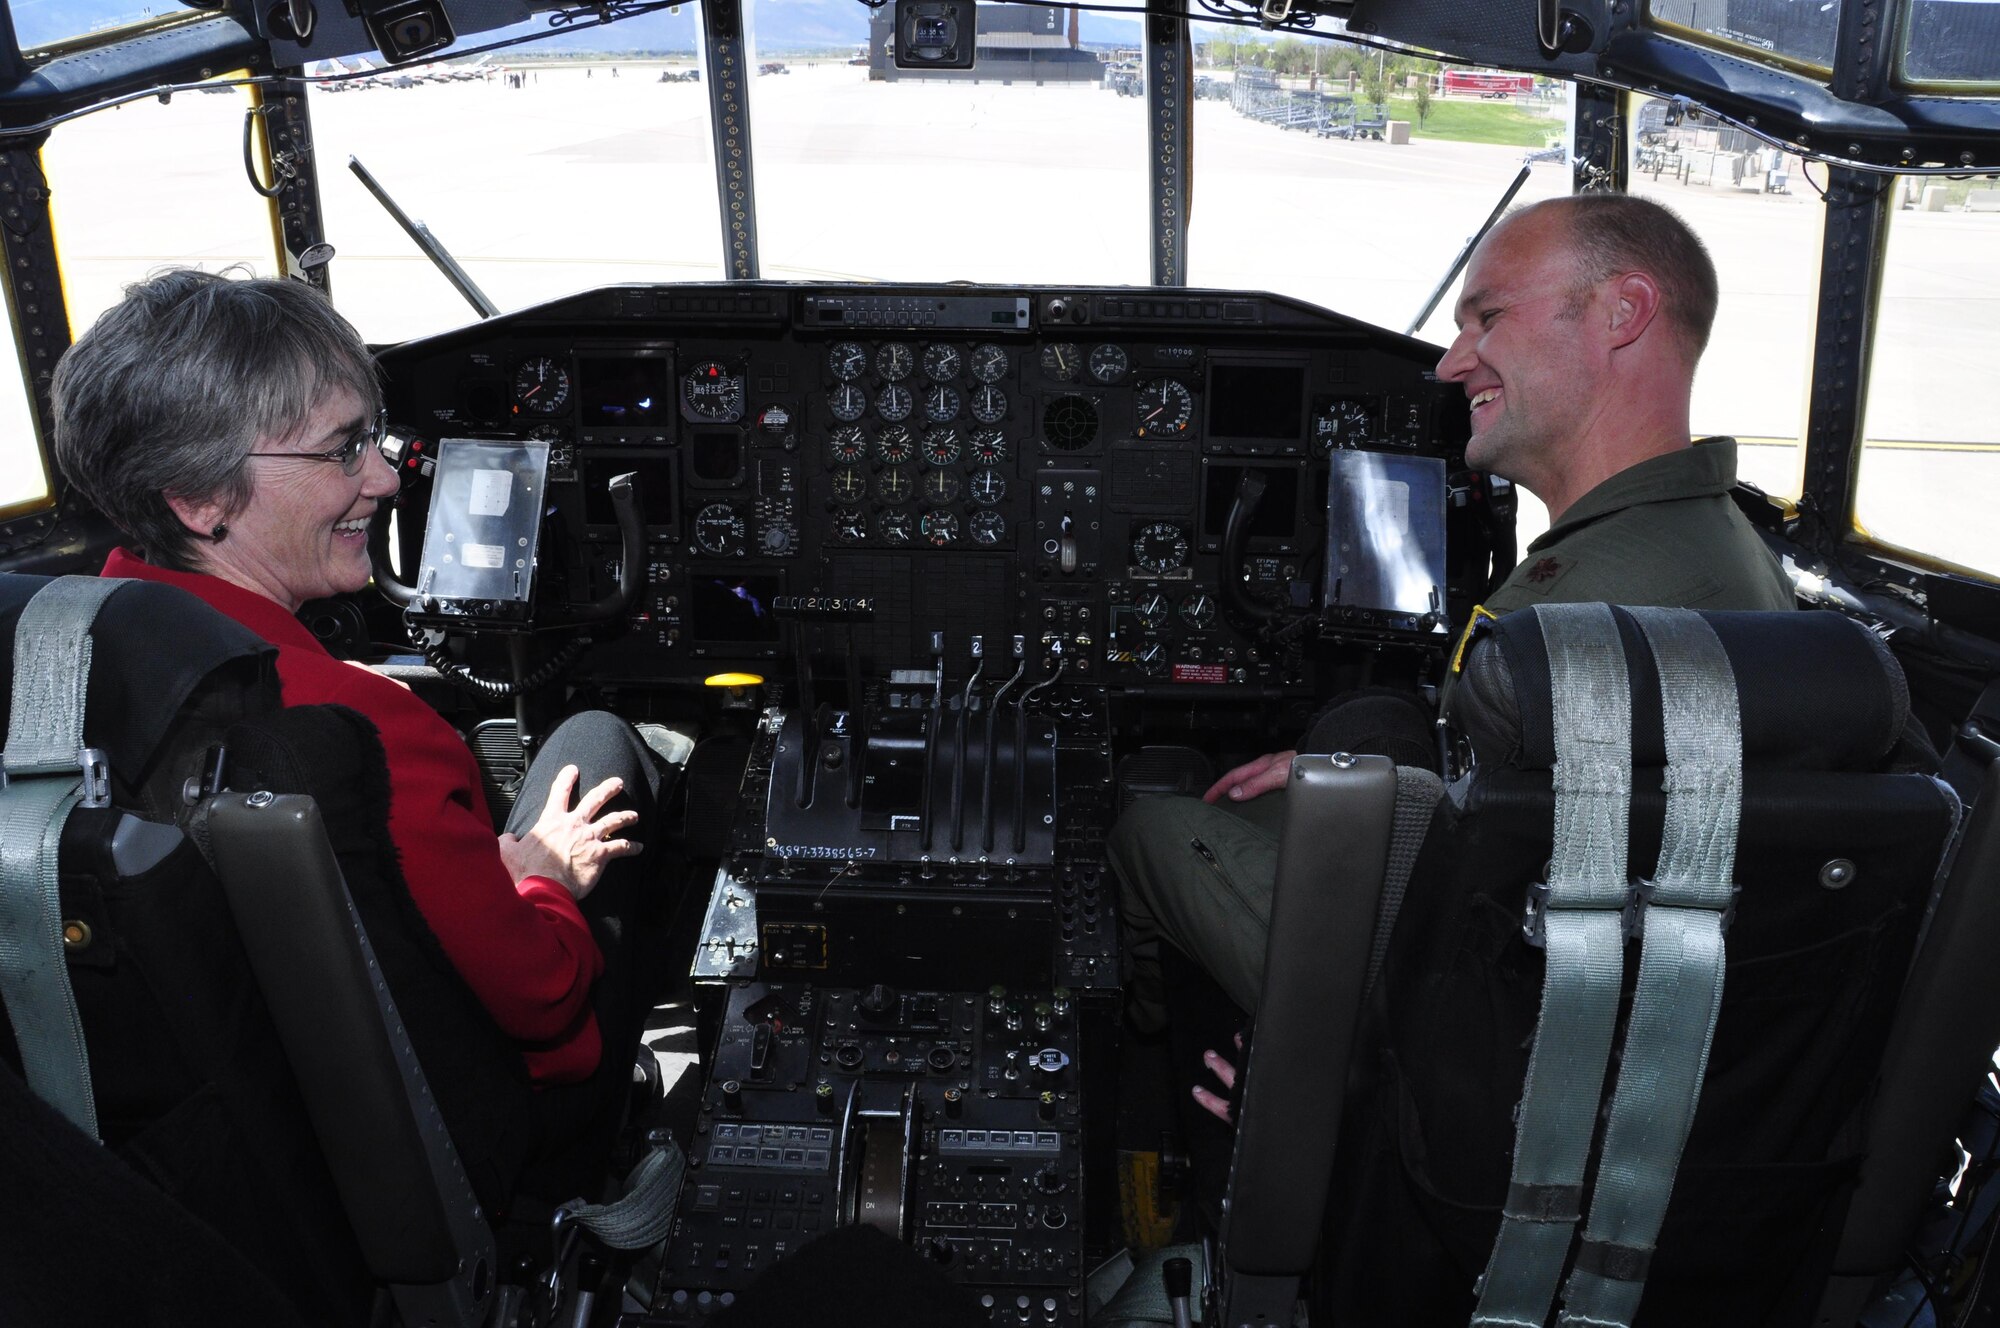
(989, 363)
(713, 394)
(1198, 612)
(847, 360)
(894, 361)
(719, 529)
(987, 486)
(1165, 408)
(1108, 364)
(849, 485)
(894, 485)
(989, 446)
(895, 527)
(1152, 610)
(942, 363)
(1160, 547)
(894, 402)
(940, 526)
(986, 527)
(849, 526)
(847, 402)
(541, 385)
(895, 445)
(1153, 660)
(989, 405)
(1343, 424)
(941, 403)
(941, 446)
(847, 445)
(940, 486)
(1062, 361)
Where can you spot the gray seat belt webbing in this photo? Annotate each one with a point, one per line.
(1577, 919)
(1679, 991)
(1417, 793)
(48, 772)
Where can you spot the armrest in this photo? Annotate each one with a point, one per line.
(411, 1206)
(1339, 814)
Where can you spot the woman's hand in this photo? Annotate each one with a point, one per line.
(1253, 778)
(571, 846)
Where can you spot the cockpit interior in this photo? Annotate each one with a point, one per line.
(916, 587)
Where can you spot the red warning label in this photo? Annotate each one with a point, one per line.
(1200, 673)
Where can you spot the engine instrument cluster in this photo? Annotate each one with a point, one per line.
(1062, 465)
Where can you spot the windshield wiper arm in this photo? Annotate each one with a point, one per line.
(430, 244)
(1465, 254)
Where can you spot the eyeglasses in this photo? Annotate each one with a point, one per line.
(350, 455)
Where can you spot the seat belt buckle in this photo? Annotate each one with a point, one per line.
(1534, 919)
(96, 767)
(1632, 921)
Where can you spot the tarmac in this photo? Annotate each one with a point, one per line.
(573, 180)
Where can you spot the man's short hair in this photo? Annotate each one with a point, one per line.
(1617, 233)
(171, 388)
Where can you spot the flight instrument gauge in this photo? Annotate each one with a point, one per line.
(895, 527)
(989, 405)
(1108, 364)
(719, 529)
(941, 403)
(849, 485)
(541, 386)
(848, 445)
(894, 361)
(847, 402)
(1344, 423)
(940, 486)
(989, 363)
(1165, 408)
(941, 446)
(940, 526)
(1160, 547)
(712, 393)
(987, 487)
(894, 485)
(895, 445)
(1198, 611)
(894, 402)
(942, 363)
(986, 527)
(849, 526)
(847, 360)
(989, 446)
(1152, 611)
(1062, 361)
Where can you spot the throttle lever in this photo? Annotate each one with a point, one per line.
(993, 714)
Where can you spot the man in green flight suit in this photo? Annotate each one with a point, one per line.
(1579, 329)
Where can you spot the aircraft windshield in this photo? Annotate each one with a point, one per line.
(1799, 31)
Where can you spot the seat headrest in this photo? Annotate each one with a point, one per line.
(1817, 691)
(151, 647)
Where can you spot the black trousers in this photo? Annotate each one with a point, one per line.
(580, 1121)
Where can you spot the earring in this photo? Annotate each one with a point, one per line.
(220, 533)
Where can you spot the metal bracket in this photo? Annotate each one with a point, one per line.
(726, 51)
(294, 190)
(1170, 134)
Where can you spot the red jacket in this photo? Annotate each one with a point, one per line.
(525, 950)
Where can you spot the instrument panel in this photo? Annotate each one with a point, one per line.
(1063, 465)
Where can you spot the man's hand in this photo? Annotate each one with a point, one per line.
(1214, 1103)
(571, 847)
(1247, 781)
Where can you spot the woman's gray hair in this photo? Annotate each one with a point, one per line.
(170, 389)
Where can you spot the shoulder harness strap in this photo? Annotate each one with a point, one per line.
(48, 771)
